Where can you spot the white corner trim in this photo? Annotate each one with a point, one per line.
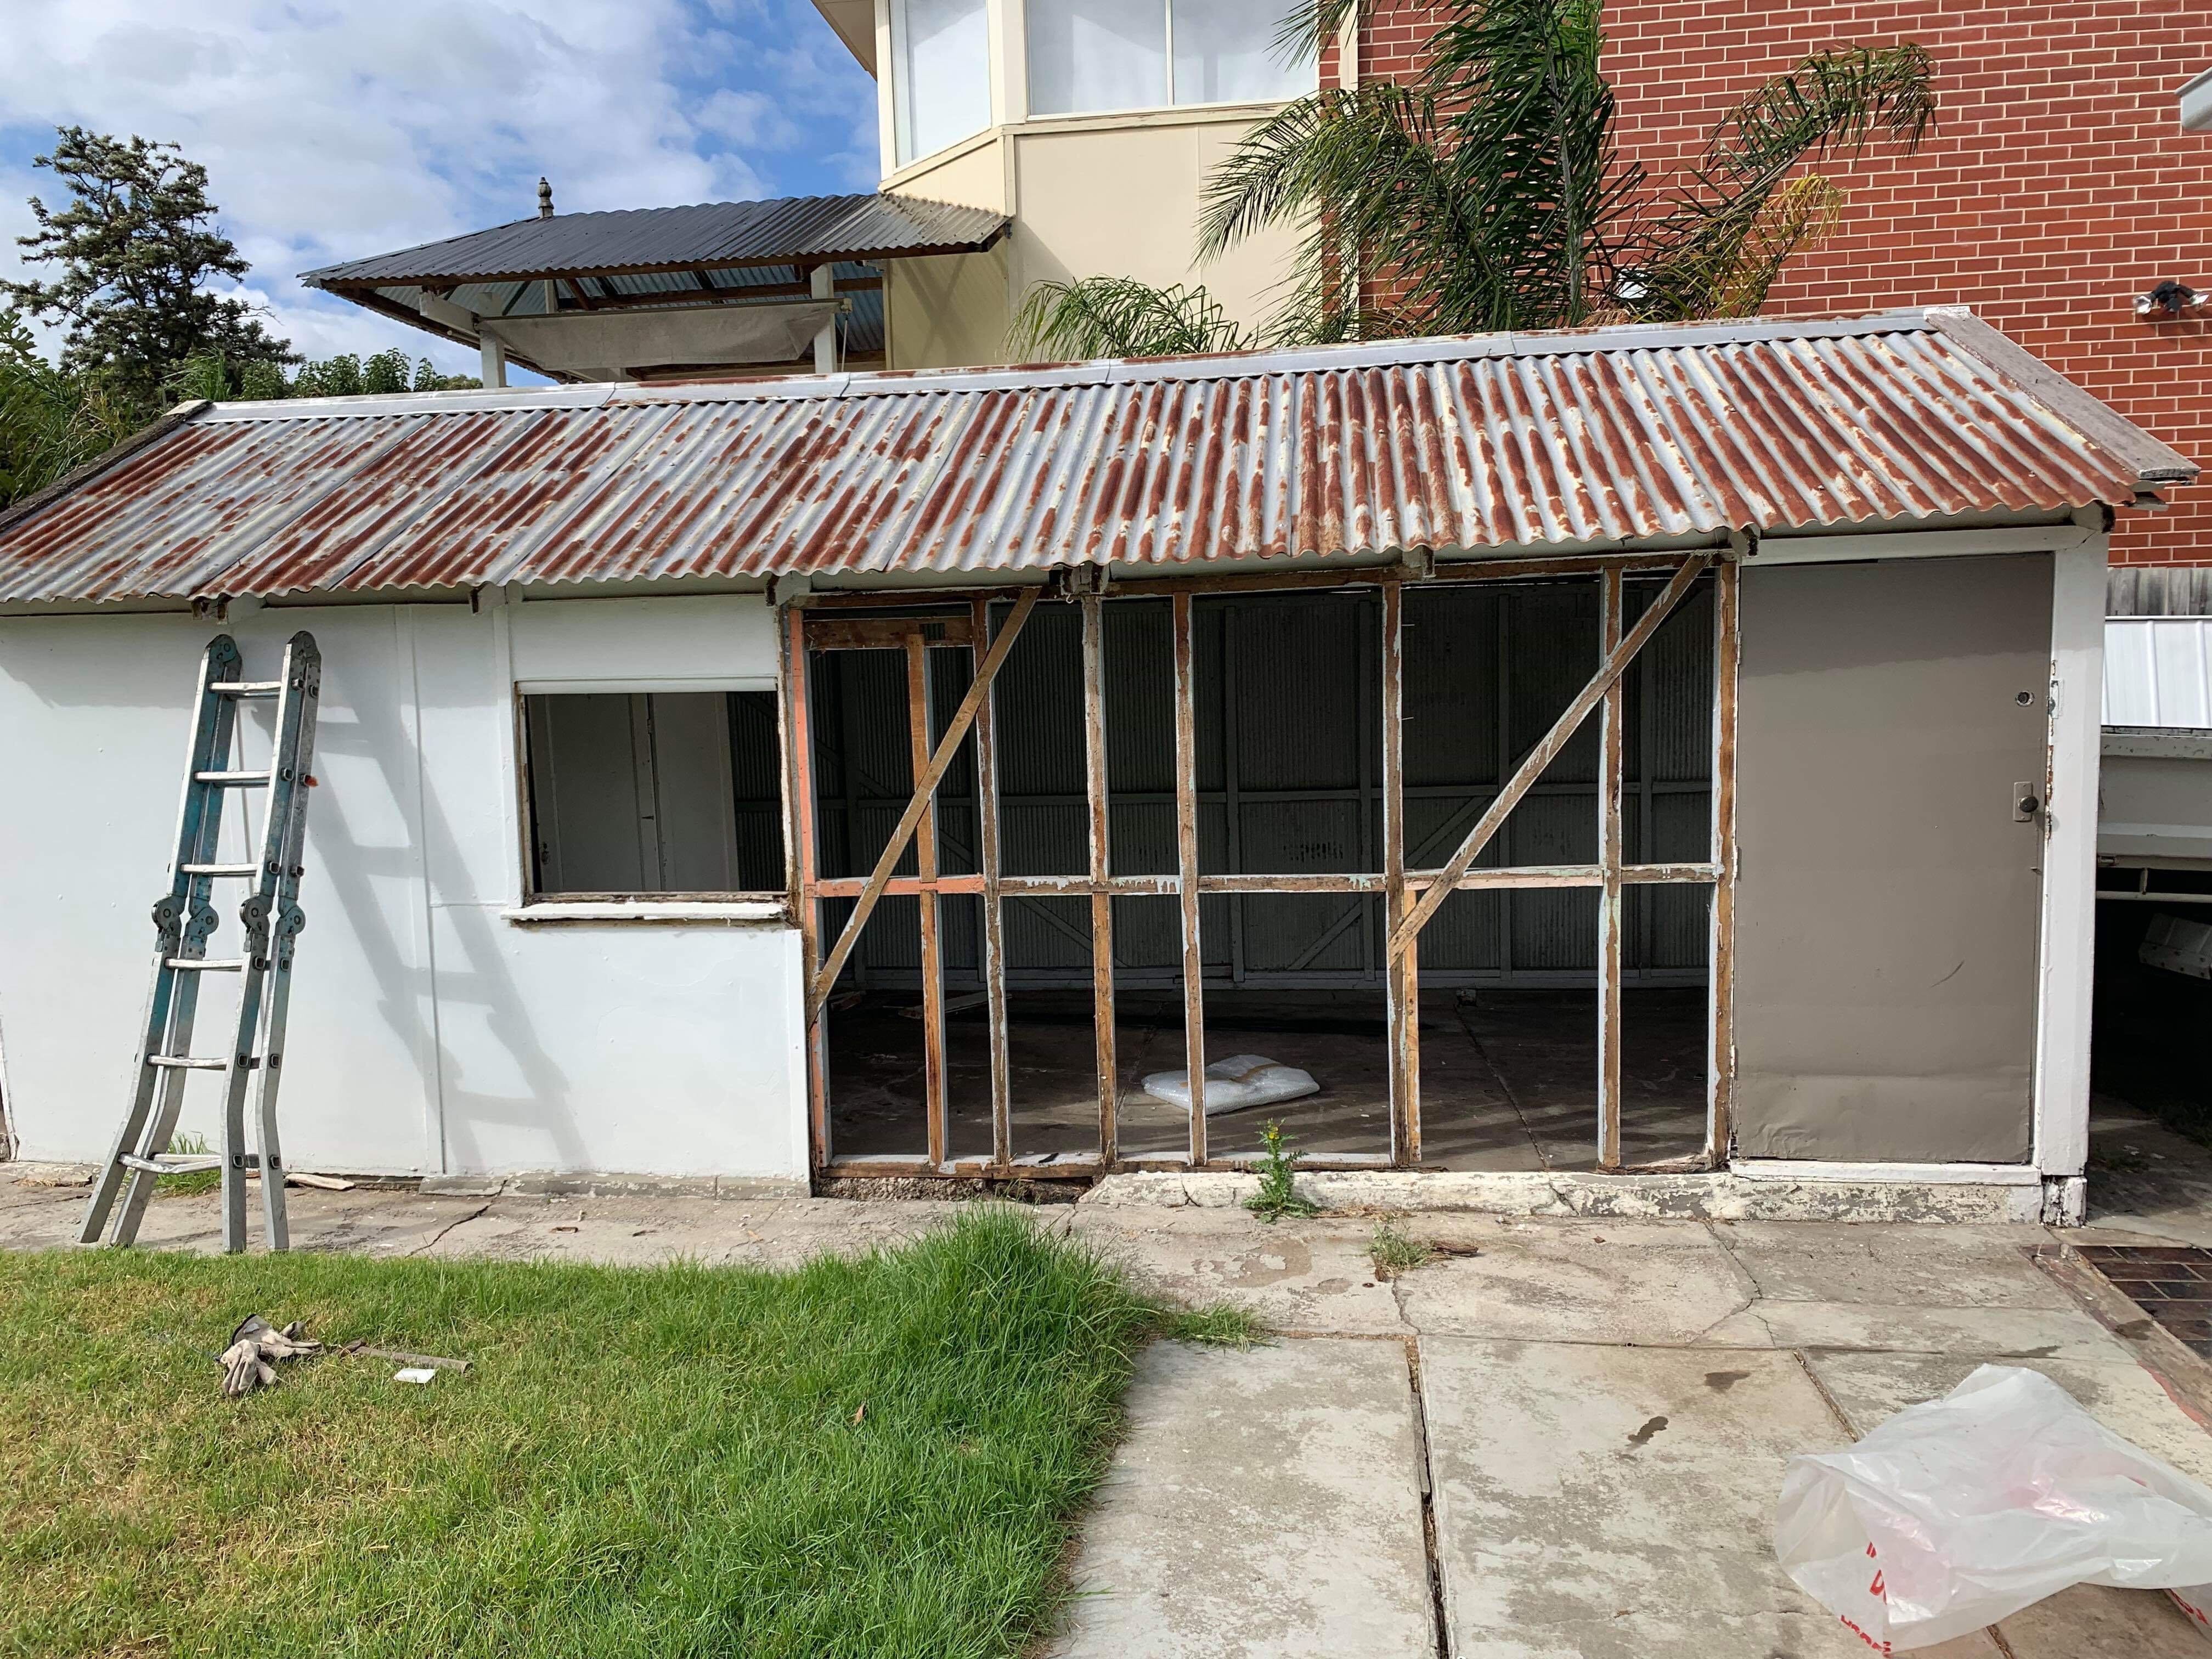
(649, 910)
(2066, 958)
(1923, 1175)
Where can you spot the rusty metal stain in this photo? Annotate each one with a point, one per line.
(1361, 449)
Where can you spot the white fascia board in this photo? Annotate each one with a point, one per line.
(1850, 547)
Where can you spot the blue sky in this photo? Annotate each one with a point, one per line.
(336, 128)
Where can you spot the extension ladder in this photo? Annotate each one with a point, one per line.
(184, 920)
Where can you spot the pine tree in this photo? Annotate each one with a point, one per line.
(135, 250)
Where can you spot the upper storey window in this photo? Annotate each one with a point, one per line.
(941, 73)
(1093, 55)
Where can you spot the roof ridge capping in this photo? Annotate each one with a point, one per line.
(2155, 464)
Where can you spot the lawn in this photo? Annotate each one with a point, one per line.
(882, 1455)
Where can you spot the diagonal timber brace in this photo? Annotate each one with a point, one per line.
(1614, 664)
(925, 789)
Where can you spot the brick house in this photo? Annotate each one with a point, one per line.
(2056, 186)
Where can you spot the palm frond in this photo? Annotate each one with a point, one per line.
(1735, 217)
(1840, 98)
(1121, 317)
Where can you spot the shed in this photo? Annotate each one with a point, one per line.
(1635, 766)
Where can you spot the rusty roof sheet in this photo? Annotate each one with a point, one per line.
(803, 229)
(1496, 441)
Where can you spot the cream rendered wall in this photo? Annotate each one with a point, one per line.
(1090, 196)
(429, 1032)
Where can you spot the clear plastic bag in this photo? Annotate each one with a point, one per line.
(1956, 1513)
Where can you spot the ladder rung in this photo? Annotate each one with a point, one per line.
(246, 688)
(205, 965)
(220, 869)
(193, 1063)
(242, 780)
(170, 1162)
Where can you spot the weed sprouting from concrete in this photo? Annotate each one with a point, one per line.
(1393, 1250)
(1278, 1165)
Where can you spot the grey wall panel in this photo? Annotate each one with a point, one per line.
(1887, 905)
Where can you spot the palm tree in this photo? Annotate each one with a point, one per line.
(1486, 193)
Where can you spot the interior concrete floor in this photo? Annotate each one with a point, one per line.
(1508, 1077)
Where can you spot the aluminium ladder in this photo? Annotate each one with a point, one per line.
(184, 920)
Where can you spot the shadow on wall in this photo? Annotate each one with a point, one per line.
(377, 841)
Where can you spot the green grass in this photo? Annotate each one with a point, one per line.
(882, 1455)
(192, 1181)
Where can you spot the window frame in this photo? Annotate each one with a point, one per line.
(1029, 81)
(656, 905)
(902, 113)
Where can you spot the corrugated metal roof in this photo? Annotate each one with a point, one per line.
(1485, 442)
(801, 228)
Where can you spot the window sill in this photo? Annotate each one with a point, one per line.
(664, 912)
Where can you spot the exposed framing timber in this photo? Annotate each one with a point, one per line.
(1411, 896)
(1193, 977)
(925, 868)
(1167, 886)
(1102, 902)
(994, 943)
(806, 899)
(1400, 973)
(925, 791)
(1611, 711)
(1720, 959)
(1647, 561)
(1548, 749)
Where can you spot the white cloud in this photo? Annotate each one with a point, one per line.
(332, 128)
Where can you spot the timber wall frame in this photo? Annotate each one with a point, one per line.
(961, 619)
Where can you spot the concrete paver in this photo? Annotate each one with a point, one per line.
(1265, 1503)
(1630, 1281)
(1615, 1503)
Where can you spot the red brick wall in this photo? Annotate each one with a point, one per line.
(2056, 186)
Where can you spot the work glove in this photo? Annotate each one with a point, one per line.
(247, 1363)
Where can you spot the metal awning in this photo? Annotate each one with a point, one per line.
(727, 253)
(1619, 436)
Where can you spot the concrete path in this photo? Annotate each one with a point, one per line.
(1563, 1442)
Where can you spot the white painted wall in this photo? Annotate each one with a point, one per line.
(429, 1032)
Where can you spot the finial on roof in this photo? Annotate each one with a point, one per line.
(544, 199)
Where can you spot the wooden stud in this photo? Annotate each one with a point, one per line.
(799, 814)
(994, 945)
(1612, 712)
(1721, 1072)
(924, 865)
(1193, 987)
(1401, 973)
(1102, 902)
(1547, 750)
(925, 792)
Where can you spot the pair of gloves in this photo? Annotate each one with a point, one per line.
(247, 1363)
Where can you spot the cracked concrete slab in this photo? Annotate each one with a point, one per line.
(2019, 1333)
(1611, 1503)
(1616, 1282)
(1312, 1275)
(1266, 1505)
(1970, 1276)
